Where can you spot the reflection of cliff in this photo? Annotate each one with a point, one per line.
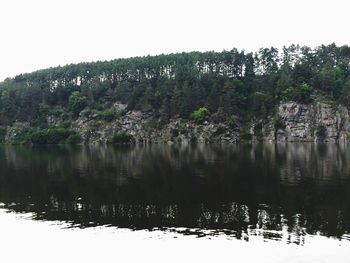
(325, 163)
(288, 164)
(292, 162)
(298, 188)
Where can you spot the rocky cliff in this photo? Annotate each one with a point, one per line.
(147, 129)
(318, 121)
(291, 122)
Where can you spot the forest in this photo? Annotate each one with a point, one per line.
(227, 83)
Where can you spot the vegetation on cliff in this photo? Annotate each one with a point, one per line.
(121, 137)
(52, 135)
(186, 85)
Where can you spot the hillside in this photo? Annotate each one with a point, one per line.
(296, 93)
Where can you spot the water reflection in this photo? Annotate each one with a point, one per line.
(280, 192)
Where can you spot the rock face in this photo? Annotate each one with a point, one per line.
(301, 123)
(318, 121)
(146, 130)
(315, 122)
(14, 131)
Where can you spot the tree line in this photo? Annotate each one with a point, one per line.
(227, 83)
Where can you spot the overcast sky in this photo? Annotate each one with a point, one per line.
(37, 34)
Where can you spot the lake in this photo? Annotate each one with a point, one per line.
(266, 202)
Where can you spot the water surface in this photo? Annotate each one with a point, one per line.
(292, 194)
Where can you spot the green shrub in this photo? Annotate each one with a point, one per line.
(54, 136)
(303, 93)
(201, 115)
(23, 136)
(300, 93)
(319, 130)
(279, 124)
(108, 115)
(76, 103)
(111, 114)
(56, 111)
(151, 125)
(193, 138)
(246, 135)
(258, 131)
(174, 132)
(2, 135)
(288, 94)
(120, 113)
(66, 124)
(232, 122)
(258, 127)
(74, 139)
(220, 130)
(66, 116)
(121, 137)
(183, 129)
(44, 109)
(86, 112)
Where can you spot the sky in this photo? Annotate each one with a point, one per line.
(37, 34)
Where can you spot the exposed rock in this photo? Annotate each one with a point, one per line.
(145, 129)
(300, 123)
(301, 120)
(14, 131)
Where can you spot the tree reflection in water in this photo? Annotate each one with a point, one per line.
(282, 192)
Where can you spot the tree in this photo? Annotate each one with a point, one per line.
(268, 60)
(201, 115)
(76, 103)
(175, 85)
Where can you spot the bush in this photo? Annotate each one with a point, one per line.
(258, 131)
(246, 135)
(174, 132)
(54, 136)
(319, 130)
(120, 113)
(201, 115)
(288, 94)
(86, 112)
(23, 136)
(2, 135)
(300, 93)
(76, 103)
(279, 124)
(74, 139)
(303, 93)
(183, 129)
(107, 115)
(121, 137)
(65, 124)
(43, 112)
(232, 122)
(44, 109)
(111, 114)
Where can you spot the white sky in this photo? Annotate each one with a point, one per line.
(37, 34)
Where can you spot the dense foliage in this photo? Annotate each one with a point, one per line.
(53, 135)
(2, 135)
(229, 82)
(201, 115)
(320, 130)
(121, 137)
